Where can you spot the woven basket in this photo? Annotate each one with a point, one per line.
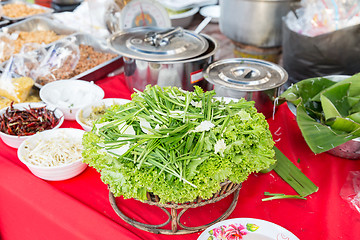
(227, 188)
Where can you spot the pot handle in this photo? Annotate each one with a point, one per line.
(163, 38)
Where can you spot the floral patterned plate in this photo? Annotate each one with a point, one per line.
(246, 229)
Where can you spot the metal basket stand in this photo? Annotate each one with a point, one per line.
(227, 188)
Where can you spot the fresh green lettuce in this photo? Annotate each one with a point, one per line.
(178, 145)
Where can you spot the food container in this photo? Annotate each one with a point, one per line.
(70, 95)
(39, 24)
(15, 141)
(252, 79)
(99, 45)
(36, 24)
(84, 113)
(164, 57)
(56, 172)
(348, 150)
(240, 21)
(183, 19)
(103, 69)
(47, 11)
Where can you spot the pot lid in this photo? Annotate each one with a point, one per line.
(245, 74)
(158, 44)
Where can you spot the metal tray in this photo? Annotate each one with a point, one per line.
(100, 71)
(39, 24)
(47, 10)
(103, 69)
(4, 22)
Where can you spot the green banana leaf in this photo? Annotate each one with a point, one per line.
(327, 112)
(334, 102)
(353, 91)
(319, 137)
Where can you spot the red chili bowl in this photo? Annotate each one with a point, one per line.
(14, 141)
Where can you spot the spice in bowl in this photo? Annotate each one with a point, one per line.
(20, 121)
(24, 122)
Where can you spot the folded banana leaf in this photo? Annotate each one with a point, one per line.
(328, 110)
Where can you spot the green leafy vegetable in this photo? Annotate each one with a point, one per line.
(293, 176)
(177, 144)
(328, 112)
(280, 196)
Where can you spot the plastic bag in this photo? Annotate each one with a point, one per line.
(34, 50)
(14, 87)
(7, 46)
(335, 53)
(59, 61)
(319, 17)
(350, 192)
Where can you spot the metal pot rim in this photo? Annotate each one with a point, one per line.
(201, 57)
(264, 78)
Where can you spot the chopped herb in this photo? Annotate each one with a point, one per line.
(182, 144)
(280, 196)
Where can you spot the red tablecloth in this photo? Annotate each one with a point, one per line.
(79, 208)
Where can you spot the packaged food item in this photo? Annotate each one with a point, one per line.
(7, 46)
(62, 56)
(16, 89)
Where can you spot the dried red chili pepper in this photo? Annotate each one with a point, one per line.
(28, 121)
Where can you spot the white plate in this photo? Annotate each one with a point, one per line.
(212, 11)
(249, 228)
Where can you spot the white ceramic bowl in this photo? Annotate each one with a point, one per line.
(15, 141)
(212, 11)
(53, 173)
(183, 19)
(70, 95)
(85, 111)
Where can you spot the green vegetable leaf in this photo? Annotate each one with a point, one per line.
(345, 125)
(328, 112)
(305, 90)
(280, 196)
(334, 102)
(293, 176)
(354, 89)
(318, 136)
(178, 145)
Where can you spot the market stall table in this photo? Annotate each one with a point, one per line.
(79, 208)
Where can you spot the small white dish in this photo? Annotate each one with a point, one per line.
(212, 11)
(70, 95)
(56, 172)
(15, 141)
(85, 111)
(248, 228)
(183, 19)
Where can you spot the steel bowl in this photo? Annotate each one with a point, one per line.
(349, 150)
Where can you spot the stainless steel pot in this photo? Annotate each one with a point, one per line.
(172, 61)
(254, 22)
(252, 79)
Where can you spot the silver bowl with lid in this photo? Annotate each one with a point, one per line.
(252, 79)
(164, 57)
